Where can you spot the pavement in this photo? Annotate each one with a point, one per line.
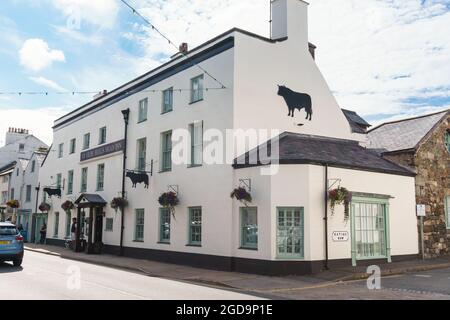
(48, 277)
(327, 284)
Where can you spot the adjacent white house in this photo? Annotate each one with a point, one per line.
(5, 179)
(289, 226)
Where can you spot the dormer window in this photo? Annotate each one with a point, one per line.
(21, 147)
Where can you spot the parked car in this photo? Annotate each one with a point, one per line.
(11, 244)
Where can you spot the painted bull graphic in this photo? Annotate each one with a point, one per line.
(53, 192)
(296, 100)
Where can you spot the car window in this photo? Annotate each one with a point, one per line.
(8, 231)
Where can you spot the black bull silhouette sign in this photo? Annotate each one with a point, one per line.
(296, 100)
(138, 177)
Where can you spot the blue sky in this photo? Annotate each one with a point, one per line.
(386, 59)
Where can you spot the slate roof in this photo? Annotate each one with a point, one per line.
(8, 168)
(91, 198)
(305, 149)
(357, 123)
(403, 135)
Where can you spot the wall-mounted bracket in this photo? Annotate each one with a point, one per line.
(334, 182)
(173, 188)
(246, 183)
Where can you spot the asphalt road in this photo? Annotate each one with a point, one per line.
(47, 277)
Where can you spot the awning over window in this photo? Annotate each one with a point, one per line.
(90, 200)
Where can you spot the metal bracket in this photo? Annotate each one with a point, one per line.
(173, 188)
(246, 183)
(335, 181)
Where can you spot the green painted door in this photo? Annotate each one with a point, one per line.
(369, 230)
(290, 233)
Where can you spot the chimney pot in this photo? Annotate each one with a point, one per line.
(184, 47)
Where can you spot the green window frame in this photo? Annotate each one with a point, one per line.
(164, 225)
(167, 100)
(196, 133)
(102, 135)
(195, 226)
(59, 181)
(33, 165)
(447, 211)
(84, 179)
(100, 177)
(368, 222)
(109, 224)
(73, 145)
(68, 223)
(166, 151)
(197, 89)
(249, 227)
(70, 182)
(143, 110)
(60, 150)
(290, 233)
(86, 141)
(56, 225)
(13, 193)
(139, 225)
(28, 193)
(141, 158)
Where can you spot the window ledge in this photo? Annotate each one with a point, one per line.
(164, 171)
(166, 112)
(248, 248)
(138, 241)
(194, 245)
(195, 166)
(142, 121)
(194, 102)
(163, 242)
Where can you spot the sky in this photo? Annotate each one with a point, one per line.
(385, 59)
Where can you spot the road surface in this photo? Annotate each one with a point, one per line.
(46, 277)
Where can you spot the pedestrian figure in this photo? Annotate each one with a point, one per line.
(43, 233)
(73, 232)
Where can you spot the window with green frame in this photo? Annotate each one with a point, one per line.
(164, 225)
(68, 223)
(102, 135)
(290, 233)
(86, 141)
(196, 132)
(100, 177)
(143, 110)
(58, 181)
(70, 182)
(141, 157)
(139, 225)
(84, 178)
(249, 227)
(73, 146)
(166, 151)
(447, 140)
(56, 225)
(197, 89)
(167, 103)
(195, 226)
(60, 150)
(447, 210)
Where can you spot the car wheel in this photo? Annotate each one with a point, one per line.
(17, 263)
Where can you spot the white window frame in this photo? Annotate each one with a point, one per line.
(167, 106)
(196, 148)
(197, 86)
(143, 110)
(141, 154)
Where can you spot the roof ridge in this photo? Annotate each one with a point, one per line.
(408, 119)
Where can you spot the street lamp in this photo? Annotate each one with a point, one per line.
(126, 118)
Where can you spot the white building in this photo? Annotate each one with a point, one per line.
(283, 229)
(5, 179)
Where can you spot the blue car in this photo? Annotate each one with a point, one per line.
(11, 244)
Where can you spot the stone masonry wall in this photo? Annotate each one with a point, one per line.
(432, 164)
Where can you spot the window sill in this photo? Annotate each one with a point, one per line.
(166, 112)
(142, 121)
(138, 241)
(195, 166)
(163, 242)
(194, 245)
(248, 248)
(196, 101)
(167, 170)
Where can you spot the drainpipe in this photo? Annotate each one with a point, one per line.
(126, 117)
(326, 218)
(33, 220)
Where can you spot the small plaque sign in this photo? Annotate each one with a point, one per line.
(340, 236)
(102, 150)
(421, 210)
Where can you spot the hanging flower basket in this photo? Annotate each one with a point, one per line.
(340, 196)
(68, 205)
(14, 204)
(169, 200)
(117, 203)
(44, 207)
(242, 195)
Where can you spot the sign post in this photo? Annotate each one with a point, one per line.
(421, 212)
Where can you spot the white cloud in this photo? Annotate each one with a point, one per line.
(26, 118)
(36, 55)
(47, 83)
(101, 13)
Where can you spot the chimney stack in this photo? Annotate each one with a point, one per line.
(289, 20)
(15, 134)
(184, 48)
(101, 94)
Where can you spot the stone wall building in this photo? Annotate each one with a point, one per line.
(423, 144)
